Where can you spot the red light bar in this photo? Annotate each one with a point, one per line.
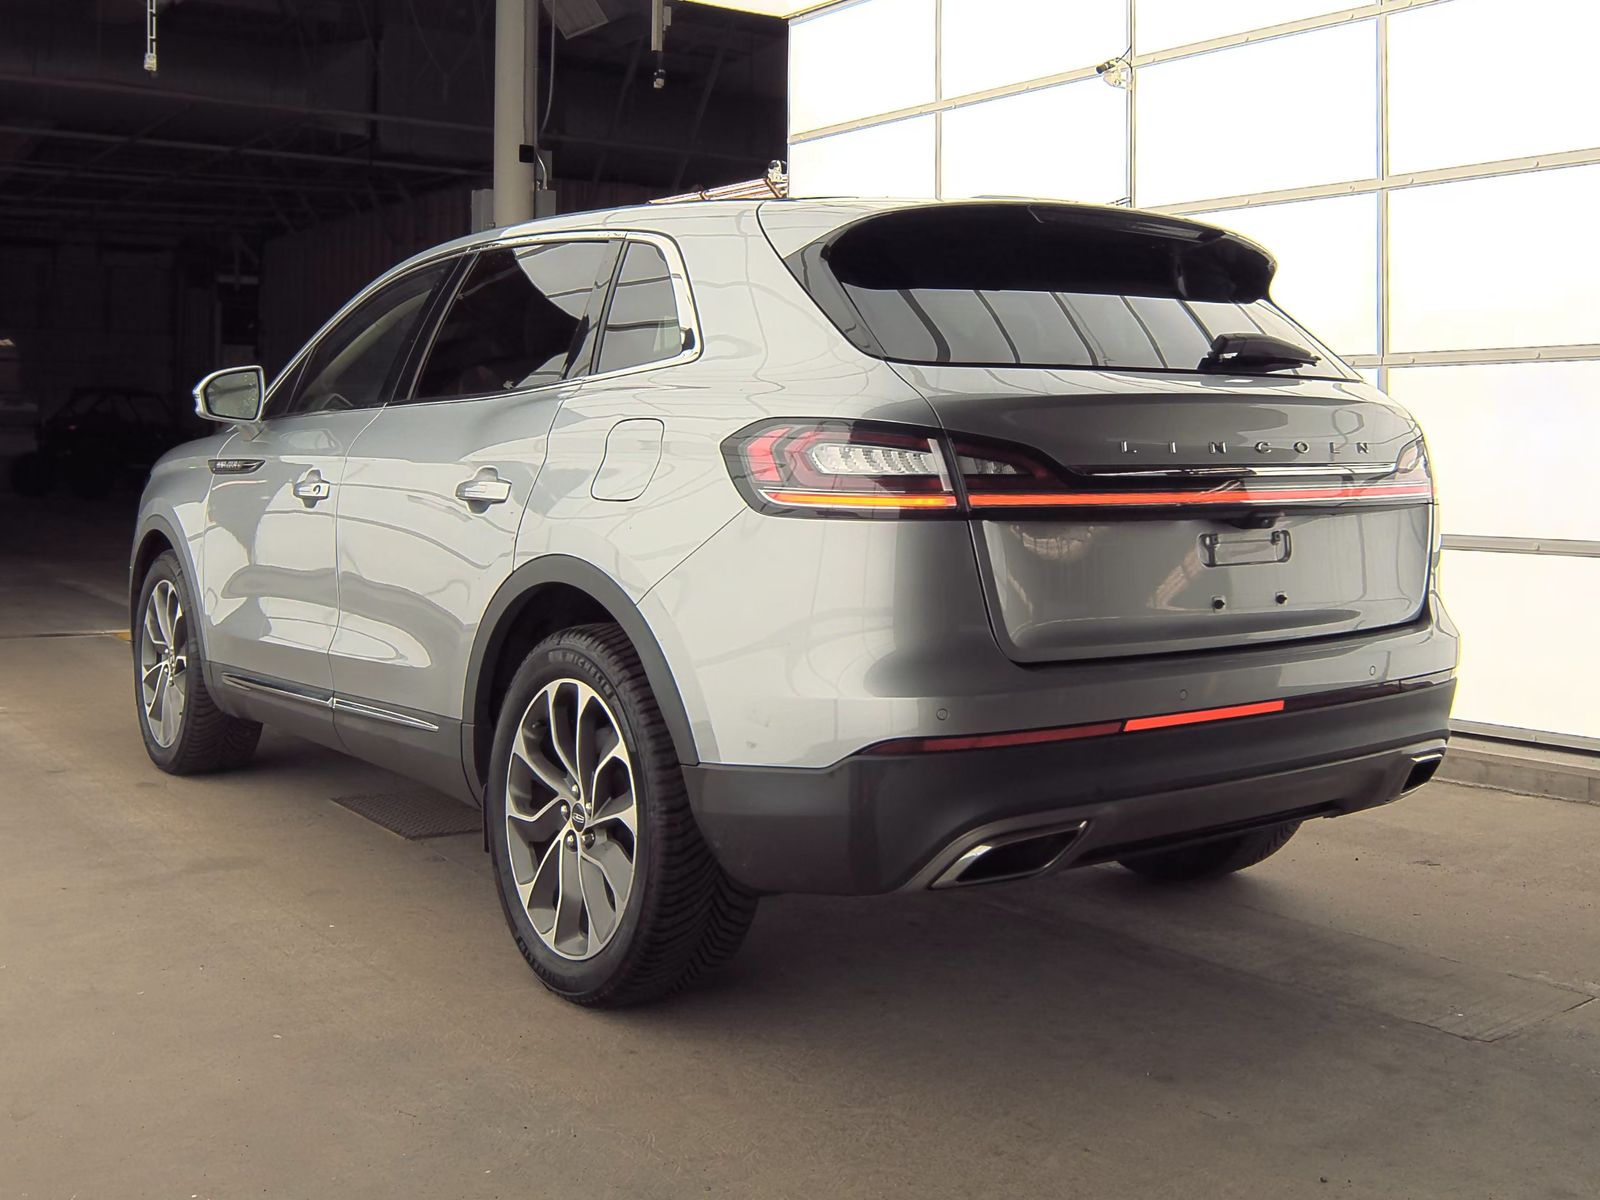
(1201, 715)
(1223, 496)
(856, 500)
(1068, 733)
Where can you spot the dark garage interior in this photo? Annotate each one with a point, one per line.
(154, 227)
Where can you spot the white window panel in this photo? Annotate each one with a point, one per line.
(1069, 141)
(1285, 113)
(1526, 659)
(1512, 445)
(860, 60)
(1487, 263)
(1327, 252)
(1454, 92)
(882, 160)
(990, 43)
(1167, 23)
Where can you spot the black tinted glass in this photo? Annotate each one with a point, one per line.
(642, 325)
(354, 364)
(1043, 286)
(516, 320)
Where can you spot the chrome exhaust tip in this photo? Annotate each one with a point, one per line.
(1423, 768)
(1010, 856)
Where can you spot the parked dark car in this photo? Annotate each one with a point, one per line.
(100, 437)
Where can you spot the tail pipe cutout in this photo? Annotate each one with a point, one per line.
(1423, 768)
(1010, 856)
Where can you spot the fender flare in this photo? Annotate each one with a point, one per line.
(501, 615)
(157, 522)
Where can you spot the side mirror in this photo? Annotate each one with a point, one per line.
(231, 397)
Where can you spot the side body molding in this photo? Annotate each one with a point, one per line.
(510, 603)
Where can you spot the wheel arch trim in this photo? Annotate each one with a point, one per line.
(501, 617)
(152, 525)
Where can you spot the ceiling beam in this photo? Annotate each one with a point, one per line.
(382, 164)
(662, 149)
(114, 88)
(123, 175)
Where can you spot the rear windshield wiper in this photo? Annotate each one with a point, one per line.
(1254, 352)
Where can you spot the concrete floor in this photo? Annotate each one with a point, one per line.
(232, 986)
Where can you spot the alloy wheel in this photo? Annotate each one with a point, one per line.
(571, 818)
(164, 663)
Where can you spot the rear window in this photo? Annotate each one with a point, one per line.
(1045, 286)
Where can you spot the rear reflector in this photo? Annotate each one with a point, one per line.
(991, 741)
(1201, 715)
(1068, 733)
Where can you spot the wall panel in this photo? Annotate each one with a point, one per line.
(994, 149)
(1455, 95)
(1280, 114)
(1167, 23)
(859, 60)
(991, 43)
(882, 160)
(1508, 261)
(1528, 657)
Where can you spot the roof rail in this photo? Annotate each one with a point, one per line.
(774, 185)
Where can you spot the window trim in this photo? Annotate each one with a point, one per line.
(437, 318)
(683, 295)
(682, 298)
(291, 370)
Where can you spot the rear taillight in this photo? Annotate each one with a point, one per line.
(855, 468)
(840, 468)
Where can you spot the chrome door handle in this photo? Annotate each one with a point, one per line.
(312, 487)
(487, 488)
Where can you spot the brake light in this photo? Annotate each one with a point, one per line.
(841, 468)
(857, 468)
(1004, 479)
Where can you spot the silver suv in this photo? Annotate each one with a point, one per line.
(733, 548)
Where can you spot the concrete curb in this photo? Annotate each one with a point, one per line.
(1518, 767)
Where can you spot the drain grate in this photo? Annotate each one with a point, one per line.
(415, 814)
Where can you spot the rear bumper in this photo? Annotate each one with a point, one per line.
(875, 823)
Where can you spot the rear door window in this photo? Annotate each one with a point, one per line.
(517, 321)
(643, 324)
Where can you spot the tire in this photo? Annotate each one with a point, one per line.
(32, 474)
(193, 736)
(652, 910)
(1208, 860)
